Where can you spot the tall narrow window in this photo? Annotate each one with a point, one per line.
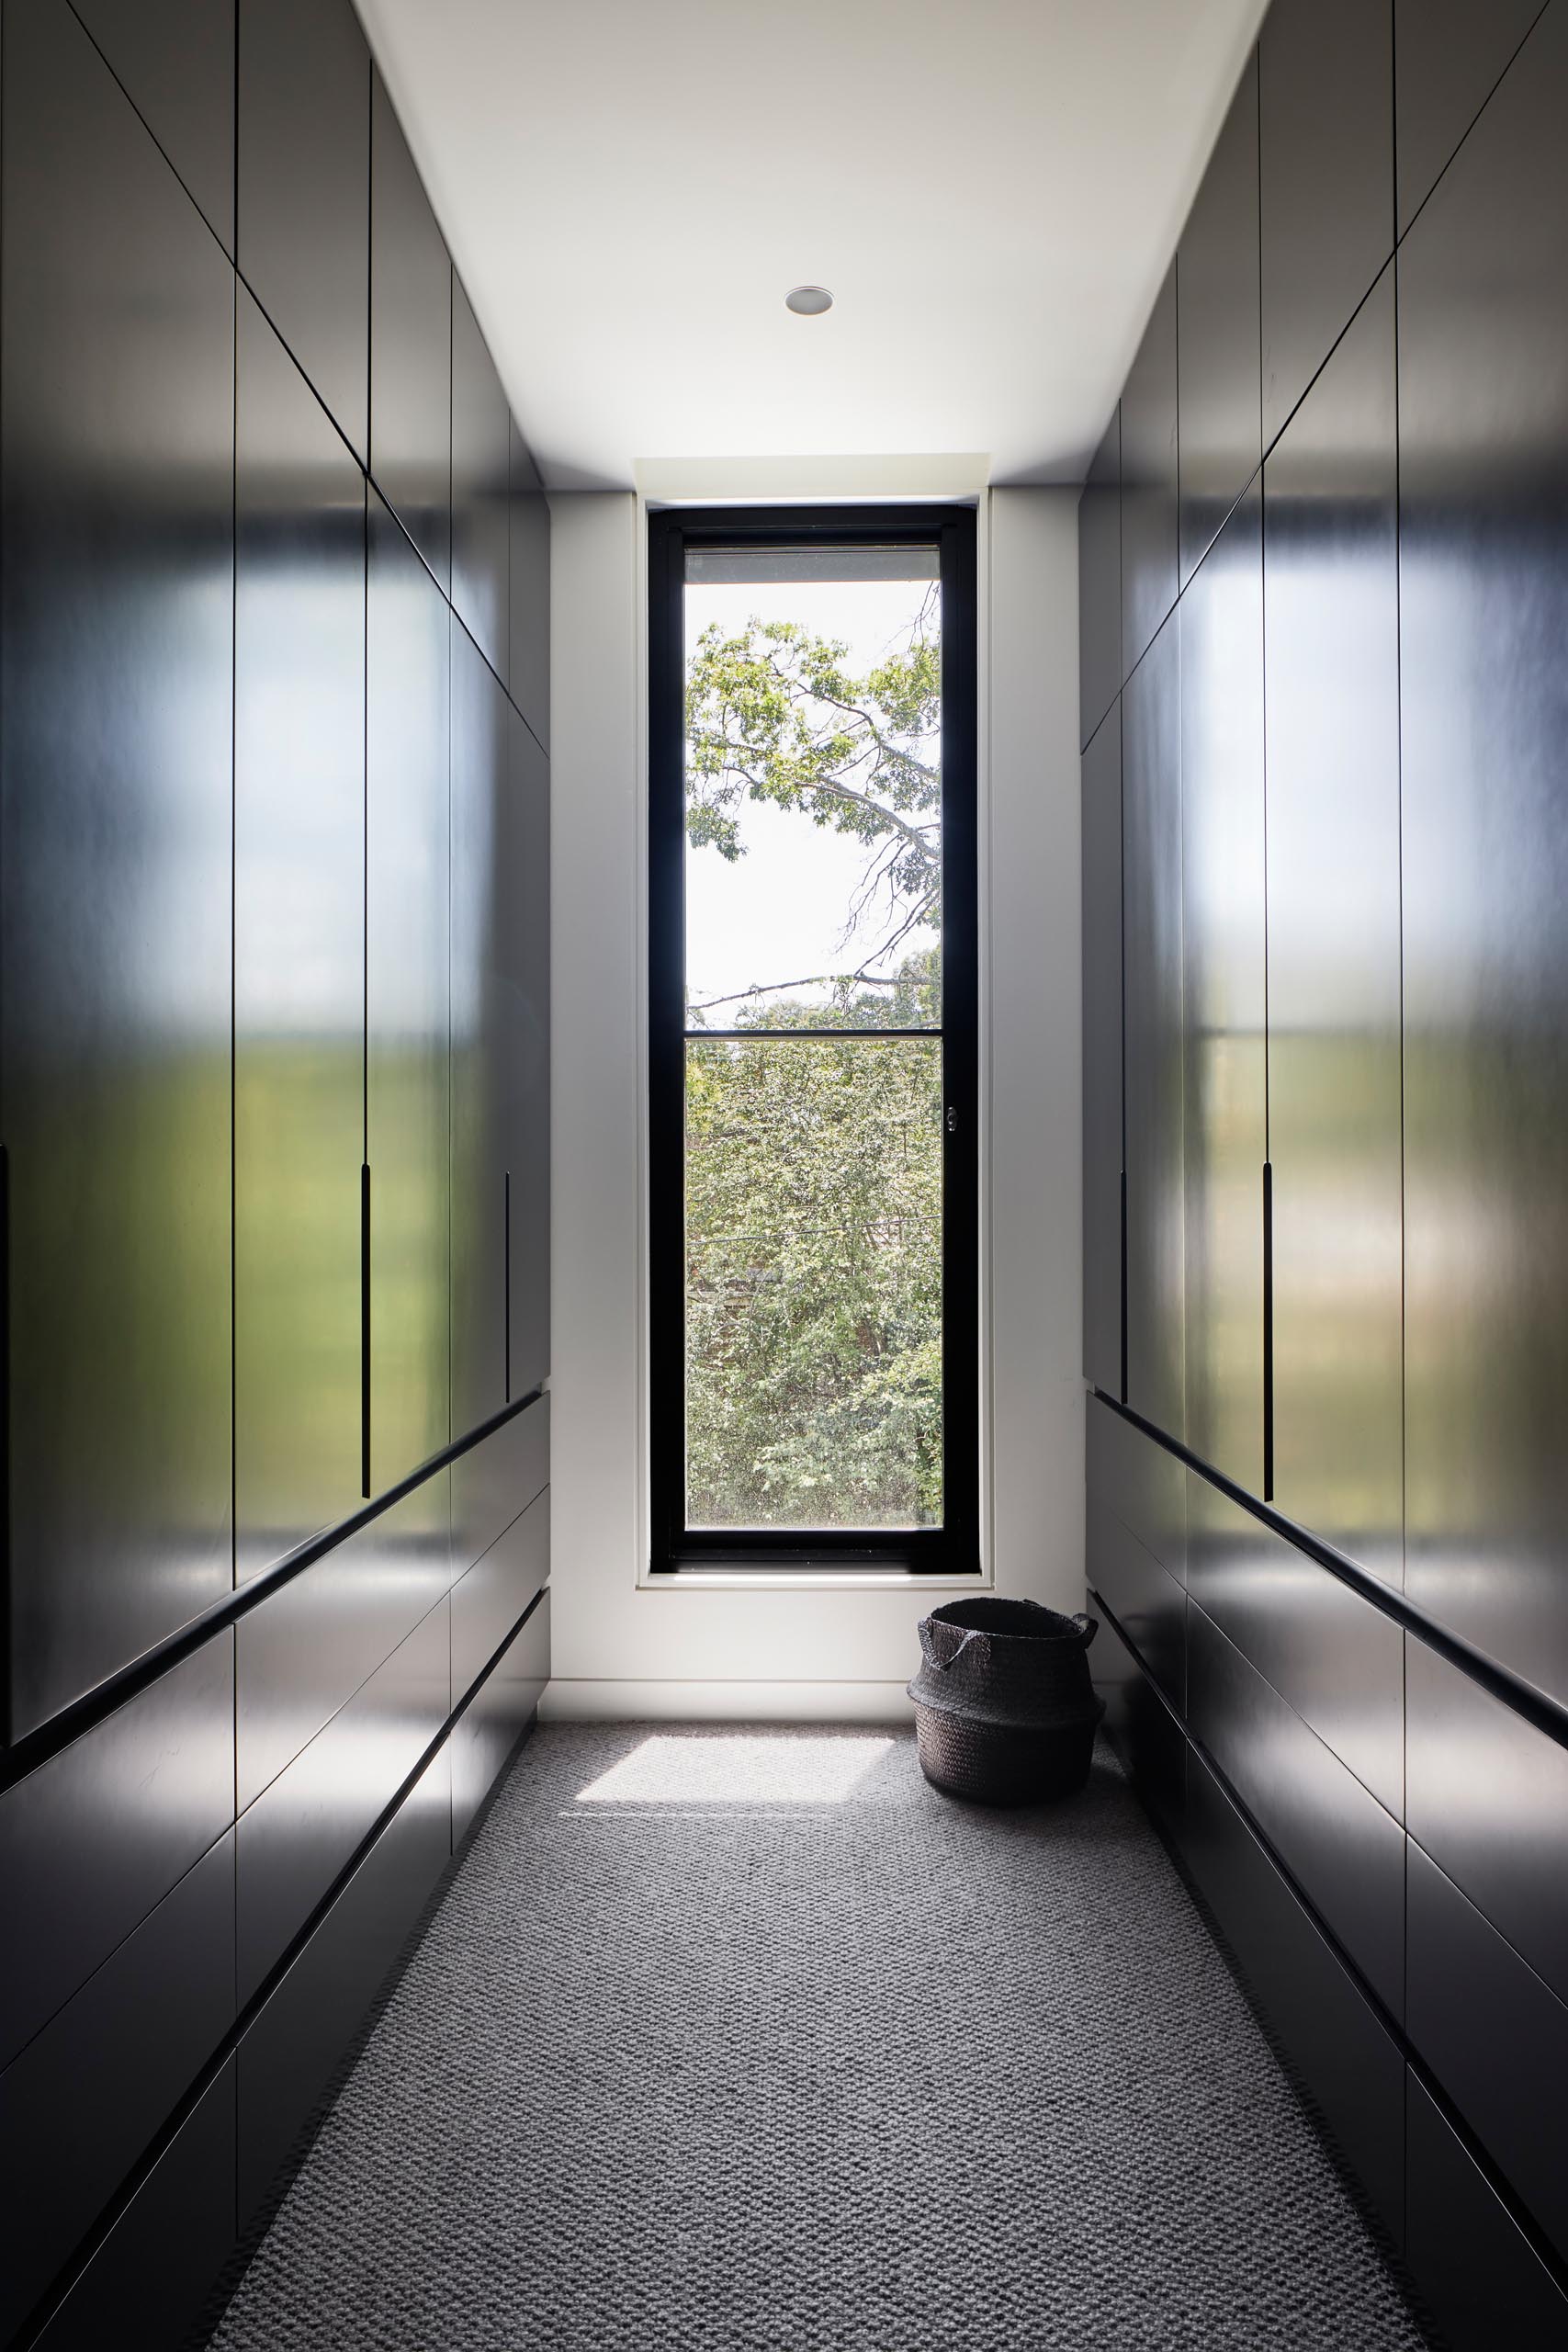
(812, 1054)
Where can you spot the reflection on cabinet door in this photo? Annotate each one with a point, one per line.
(175, 60)
(408, 997)
(1332, 662)
(410, 344)
(1149, 552)
(1217, 331)
(521, 1043)
(483, 1046)
(528, 677)
(1099, 581)
(298, 956)
(1102, 1057)
(1151, 856)
(116, 867)
(1483, 620)
(481, 470)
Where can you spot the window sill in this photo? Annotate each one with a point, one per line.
(808, 1580)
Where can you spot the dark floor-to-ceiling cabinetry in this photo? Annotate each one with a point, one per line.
(1324, 551)
(274, 1103)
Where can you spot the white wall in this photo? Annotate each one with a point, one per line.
(781, 1647)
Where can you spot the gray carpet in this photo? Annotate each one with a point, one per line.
(724, 2042)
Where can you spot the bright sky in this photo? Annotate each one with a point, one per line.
(781, 910)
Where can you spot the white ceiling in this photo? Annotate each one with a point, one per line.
(992, 188)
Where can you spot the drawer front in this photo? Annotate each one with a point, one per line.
(162, 2258)
(1336, 1658)
(1489, 1801)
(486, 1733)
(1142, 1483)
(306, 1651)
(489, 1601)
(1342, 1848)
(291, 2052)
(93, 1840)
(1464, 2250)
(303, 1830)
(1494, 2036)
(1141, 1728)
(1345, 2057)
(1149, 1606)
(496, 1479)
(121, 2054)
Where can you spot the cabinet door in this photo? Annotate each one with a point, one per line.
(1483, 619)
(481, 472)
(410, 344)
(529, 676)
(117, 389)
(1099, 581)
(1149, 480)
(482, 1047)
(408, 996)
(1224, 1059)
(1153, 1017)
(1102, 1057)
(522, 1045)
(298, 956)
(1218, 359)
(1325, 168)
(303, 191)
(1332, 664)
(1448, 55)
(175, 60)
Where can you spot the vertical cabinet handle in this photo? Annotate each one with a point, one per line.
(1268, 1332)
(365, 1331)
(506, 1274)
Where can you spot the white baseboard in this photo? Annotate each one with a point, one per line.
(567, 1702)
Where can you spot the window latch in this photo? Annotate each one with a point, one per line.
(952, 1120)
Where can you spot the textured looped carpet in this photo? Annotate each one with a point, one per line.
(723, 2042)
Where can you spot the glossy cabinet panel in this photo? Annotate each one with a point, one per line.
(175, 59)
(1099, 581)
(1218, 347)
(1337, 1659)
(308, 1650)
(303, 192)
(486, 1732)
(1149, 488)
(410, 344)
(1101, 839)
(1149, 1606)
(1494, 2036)
(122, 2052)
(298, 956)
(520, 1053)
(115, 872)
(1331, 593)
(1483, 576)
(1348, 2062)
(1448, 54)
(1143, 1483)
(95, 1837)
(408, 998)
(496, 1479)
(1140, 1726)
(303, 1830)
(482, 1077)
(528, 673)
(163, 2257)
(1488, 1799)
(1224, 1056)
(481, 482)
(1466, 2253)
(1325, 147)
(1152, 1034)
(291, 2053)
(489, 1601)
(1343, 1851)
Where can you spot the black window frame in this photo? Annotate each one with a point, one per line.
(952, 1549)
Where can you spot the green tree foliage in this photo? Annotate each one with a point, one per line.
(814, 1166)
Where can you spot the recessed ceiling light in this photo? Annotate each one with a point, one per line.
(808, 301)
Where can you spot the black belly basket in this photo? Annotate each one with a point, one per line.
(1004, 1710)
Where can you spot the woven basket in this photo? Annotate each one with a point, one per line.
(1005, 1712)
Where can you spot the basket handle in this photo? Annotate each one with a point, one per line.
(966, 1633)
(1090, 1626)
